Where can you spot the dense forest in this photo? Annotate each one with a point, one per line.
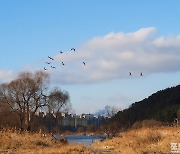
(161, 106)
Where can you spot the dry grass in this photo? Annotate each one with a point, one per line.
(138, 141)
(12, 141)
(142, 141)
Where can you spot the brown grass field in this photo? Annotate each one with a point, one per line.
(138, 141)
(155, 140)
(27, 143)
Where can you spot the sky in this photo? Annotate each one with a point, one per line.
(113, 38)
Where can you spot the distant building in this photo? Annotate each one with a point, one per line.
(73, 122)
(87, 116)
(69, 121)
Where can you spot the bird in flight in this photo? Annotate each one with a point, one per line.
(61, 52)
(130, 73)
(63, 63)
(141, 74)
(50, 58)
(48, 62)
(84, 63)
(45, 69)
(73, 49)
(53, 67)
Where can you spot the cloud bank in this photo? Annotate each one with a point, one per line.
(114, 55)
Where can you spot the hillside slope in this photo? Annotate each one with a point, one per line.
(161, 106)
(142, 141)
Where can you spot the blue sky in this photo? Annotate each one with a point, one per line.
(113, 37)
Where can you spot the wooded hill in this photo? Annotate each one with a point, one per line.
(162, 106)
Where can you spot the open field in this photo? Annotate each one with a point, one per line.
(142, 141)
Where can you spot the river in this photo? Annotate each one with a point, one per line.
(83, 139)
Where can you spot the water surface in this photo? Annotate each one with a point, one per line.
(82, 139)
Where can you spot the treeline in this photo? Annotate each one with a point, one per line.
(162, 106)
(22, 98)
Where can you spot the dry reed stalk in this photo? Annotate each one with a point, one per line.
(13, 141)
(144, 140)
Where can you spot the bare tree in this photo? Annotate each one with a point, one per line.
(58, 101)
(109, 126)
(25, 95)
(7, 118)
(178, 113)
(39, 93)
(111, 111)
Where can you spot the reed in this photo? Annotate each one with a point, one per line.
(14, 141)
(142, 141)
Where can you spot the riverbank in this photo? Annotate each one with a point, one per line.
(13, 141)
(68, 133)
(142, 141)
(137, 141)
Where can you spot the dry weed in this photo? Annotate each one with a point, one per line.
(13, 141)
(142, 141)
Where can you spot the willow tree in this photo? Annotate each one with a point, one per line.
(58, 102)
(25, 95)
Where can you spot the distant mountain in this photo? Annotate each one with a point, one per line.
(162, 106)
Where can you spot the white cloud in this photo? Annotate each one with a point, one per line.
(166, 42)
(114, 55)
(6, 76)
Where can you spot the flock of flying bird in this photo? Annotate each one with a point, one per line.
(72, 49)
(52, 59)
